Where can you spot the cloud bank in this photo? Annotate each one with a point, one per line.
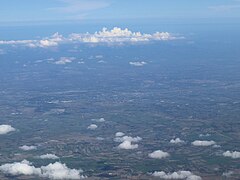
(159, 154)
(203, 143)
(52, 171)
(4, 129)
(232, 154)
(105, 36)
(176, 175)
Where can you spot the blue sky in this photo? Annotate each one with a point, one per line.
(51, 10)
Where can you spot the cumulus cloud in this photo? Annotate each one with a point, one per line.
(51, 41)
(27, 148)
(54, 40)
(127, 142)
(232, 154)
(128, 138)
(118, 35)
(48, 156)
(113, 36)
(4, 129)
(119, 134)
(53, 171)
(176, 175)
(127, 145)
(92, 127)
(138, 64)
(158, 154)
(176, 141)
(203, 143)
(64, 60)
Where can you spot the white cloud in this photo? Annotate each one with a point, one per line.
(114, 36)
(48, 156)
(118, 35)
(228, 174)
(142, 63)
(64, 60)
(4, 129)
(158, 154)
(53, 171)
(203, 143)
(128, 138)
(99, 120)
(100, 138)
(126, 141)
(60, 171)
(92, 127)
(51, 41)
(176, 141)
(127, 145)
(20, 168)
(176, 175)
(216, 146)
(27, 148)
(119, 134)
(232, 154)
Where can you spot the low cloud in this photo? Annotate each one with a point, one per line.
(114, 36)
(232, 154)
(56, 170)
(127, 145)
(176, 141)
(176, 175)
(27, 148)
(127, 142)
(228, 174)
(158, 154)
(138, 64)
(92, 127)
(118, 35)
(99, 120)
(4, 129)
(51, 41)
(203, 143)
(119, 134)
(48, 156)
(128, 138)
(64, 60)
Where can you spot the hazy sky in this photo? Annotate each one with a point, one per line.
(38, 10)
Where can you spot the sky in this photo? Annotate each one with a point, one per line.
(60, 10)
